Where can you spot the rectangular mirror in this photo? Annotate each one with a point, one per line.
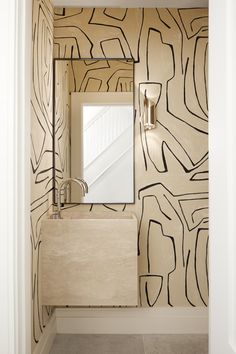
(94, 129)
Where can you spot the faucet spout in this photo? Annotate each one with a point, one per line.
(79, 181)
(83, 185)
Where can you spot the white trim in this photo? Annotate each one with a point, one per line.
(14, 177)
(7, 208)
(131, 3)
(132, 320)
(45, 343)
(22, 155)
(222, 143)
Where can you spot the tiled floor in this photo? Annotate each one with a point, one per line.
(129, 344)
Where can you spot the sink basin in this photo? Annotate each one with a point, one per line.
(89, 259)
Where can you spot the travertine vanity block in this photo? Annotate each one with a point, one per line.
(89, 261)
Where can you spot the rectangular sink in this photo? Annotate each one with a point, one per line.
(89, 259)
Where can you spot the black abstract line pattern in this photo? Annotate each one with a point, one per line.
(41, 147)
(169, 48)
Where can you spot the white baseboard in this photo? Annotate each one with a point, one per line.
(45, 343)
(133, 320)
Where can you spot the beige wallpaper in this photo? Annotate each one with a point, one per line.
(169, 47)
(101, 76)
(41, 146)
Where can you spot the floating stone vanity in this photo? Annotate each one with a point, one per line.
(89, 259)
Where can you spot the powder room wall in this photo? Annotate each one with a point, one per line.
(169, 47)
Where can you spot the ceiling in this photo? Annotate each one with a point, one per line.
(131, 3)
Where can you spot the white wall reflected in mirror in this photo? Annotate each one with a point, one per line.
(102, 146)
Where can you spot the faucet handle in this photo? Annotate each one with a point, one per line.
(65, 183)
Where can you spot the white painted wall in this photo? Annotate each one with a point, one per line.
(108, 155)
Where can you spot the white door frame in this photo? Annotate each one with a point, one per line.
(222, 143)
(15, 64)
(15, 287)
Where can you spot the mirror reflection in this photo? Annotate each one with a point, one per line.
(93, 129)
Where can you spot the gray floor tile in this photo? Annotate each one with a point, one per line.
(175, 344)
(97, 344)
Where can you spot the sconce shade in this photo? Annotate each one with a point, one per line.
(149, 116)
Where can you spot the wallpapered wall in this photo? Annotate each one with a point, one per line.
(169, 47)
(41, 146)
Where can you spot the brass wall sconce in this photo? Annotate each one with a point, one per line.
(149, 114)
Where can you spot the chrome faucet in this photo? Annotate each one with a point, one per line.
(64, 183)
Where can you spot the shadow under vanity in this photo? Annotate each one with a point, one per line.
(90, 258)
